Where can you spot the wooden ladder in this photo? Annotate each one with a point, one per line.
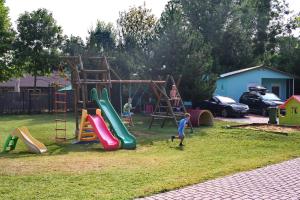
(60, 109)
(164, 110)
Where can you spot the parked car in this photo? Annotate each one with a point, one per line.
(260, 102)
(224, 106)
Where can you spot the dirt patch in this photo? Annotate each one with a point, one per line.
(76, 163)
(269, 128)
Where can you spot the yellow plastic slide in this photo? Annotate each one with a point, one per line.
(33, 145)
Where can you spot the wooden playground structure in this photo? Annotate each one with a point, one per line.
(60, 109)
(83, 79)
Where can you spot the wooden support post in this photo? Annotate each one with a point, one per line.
(164, 102)
(84, 90)
(180, 99)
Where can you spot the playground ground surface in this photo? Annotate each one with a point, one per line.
(70, 171)
(248, 119)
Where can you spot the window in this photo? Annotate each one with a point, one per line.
(271, 97)
(276, 89)
(225, 99)
(294, 111)
(214, 99)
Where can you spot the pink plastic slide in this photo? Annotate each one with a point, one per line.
(106, 138)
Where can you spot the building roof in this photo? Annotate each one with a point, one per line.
(296, 97)
(42, 81)
(253, 68)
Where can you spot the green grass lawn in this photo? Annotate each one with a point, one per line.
(71, 171)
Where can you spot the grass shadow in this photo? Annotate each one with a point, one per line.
(144, 135)
(179, 148)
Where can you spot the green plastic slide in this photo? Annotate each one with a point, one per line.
(128, 141)
(10, 143)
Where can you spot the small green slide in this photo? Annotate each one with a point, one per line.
(10, 143)
(128, 141)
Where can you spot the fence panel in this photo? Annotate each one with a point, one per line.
(12, 102)
(29, 103)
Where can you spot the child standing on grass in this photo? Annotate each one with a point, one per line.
(182, 123)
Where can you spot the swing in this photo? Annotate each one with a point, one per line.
(126, 117)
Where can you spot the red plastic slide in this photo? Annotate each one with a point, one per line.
(107, 139)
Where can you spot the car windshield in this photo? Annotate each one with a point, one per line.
(270, 97)
(225, 99)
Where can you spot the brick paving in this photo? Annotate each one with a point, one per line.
(279, 181)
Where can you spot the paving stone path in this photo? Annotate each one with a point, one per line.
(279, 181)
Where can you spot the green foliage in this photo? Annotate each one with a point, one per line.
(102, 39)
(235, 49)
(73, 46)
(136, 27)
(263, 20)
(287, 57)
(179, 49)
(242, 33)
(297, 20)
(38, 41)
(208, 17)
(7, 69)
(228, 27)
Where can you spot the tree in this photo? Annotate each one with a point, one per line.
(297, 20)
(136, 27)
(73, 46)
(263, 20)
(227, 25)
(179, 49)
(102, 39)
(7, 69)
(287, 56)
(38, 42)
(235, 49)
(209, 17)
(242, 33)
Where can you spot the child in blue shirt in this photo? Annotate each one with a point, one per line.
(182, 123)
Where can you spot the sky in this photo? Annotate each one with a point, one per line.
(77, 16)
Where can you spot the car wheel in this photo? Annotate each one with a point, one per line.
(264, 112)
(224, 113)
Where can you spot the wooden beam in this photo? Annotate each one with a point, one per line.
(93, 82)
(81, 63)
(115, 73)
(90, 71)
(137, 81)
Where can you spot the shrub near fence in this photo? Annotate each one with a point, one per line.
(29, 103)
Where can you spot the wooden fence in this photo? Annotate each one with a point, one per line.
(29, 103)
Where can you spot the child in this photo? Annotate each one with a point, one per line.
(173, 95)
(126, 111)
(182, 123)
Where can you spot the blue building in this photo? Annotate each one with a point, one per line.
(233, 84)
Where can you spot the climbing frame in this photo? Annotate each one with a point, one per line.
(164, 108)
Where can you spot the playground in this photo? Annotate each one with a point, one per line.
(116, 100)
(96, 150)
(68, 171)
